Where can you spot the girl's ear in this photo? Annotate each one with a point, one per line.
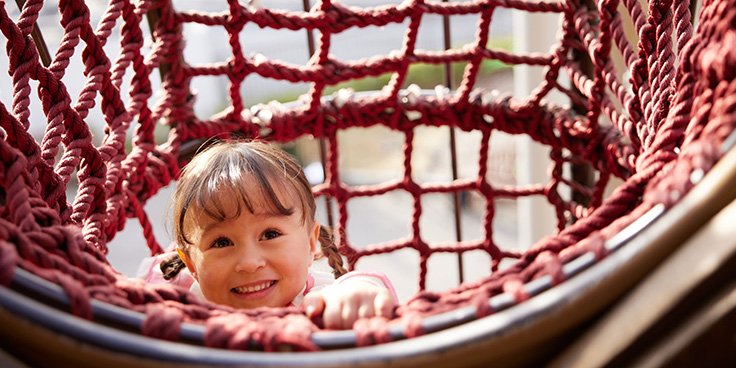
(314, 246)
(188, 262)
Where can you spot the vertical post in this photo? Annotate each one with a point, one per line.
(43, 50)
(453, 150)
(583, 173)
(311, 48)
(532, 32)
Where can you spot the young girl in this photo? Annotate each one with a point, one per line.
(243, 217)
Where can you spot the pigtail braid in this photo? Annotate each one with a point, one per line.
(329, 250)
(171, 266)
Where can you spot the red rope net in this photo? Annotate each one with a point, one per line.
(652, 131)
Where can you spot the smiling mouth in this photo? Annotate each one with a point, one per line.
(253, 288)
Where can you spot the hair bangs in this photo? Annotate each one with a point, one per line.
(226, 179)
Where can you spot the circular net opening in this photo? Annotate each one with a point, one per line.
(412, 146)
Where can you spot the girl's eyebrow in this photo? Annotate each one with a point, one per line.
(266, 214)
(210, 226)
(211, 223)
(272, 215)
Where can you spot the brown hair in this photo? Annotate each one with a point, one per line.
(218, 172)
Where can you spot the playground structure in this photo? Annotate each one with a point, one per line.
(664, 128)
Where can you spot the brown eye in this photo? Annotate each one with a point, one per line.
(270, 234)
(221, 243)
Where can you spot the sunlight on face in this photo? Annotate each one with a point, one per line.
(253, 260)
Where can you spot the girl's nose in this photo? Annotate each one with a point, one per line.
(250, 260)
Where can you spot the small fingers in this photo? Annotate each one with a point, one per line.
(332, 315)
(366, 310)
(350, 312)
(313, 304)
(341, 306)
(383, 304)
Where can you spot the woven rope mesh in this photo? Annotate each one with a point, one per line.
(650, 122)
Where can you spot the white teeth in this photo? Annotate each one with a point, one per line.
(253, 288)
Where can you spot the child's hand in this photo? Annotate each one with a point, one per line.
(342, 304)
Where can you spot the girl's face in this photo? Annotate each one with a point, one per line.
(253, 260)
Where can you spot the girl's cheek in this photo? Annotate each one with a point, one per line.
(215, 261)
(199, 260)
